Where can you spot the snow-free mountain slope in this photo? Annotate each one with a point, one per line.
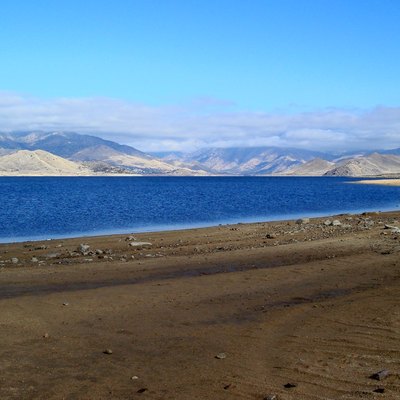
(374, 164)
(39, 162)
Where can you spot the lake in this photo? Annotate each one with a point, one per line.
(56, 207)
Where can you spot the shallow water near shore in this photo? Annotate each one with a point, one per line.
(56, 207)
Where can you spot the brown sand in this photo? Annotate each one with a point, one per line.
(312, 305)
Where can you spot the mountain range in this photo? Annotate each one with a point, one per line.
(70, 153)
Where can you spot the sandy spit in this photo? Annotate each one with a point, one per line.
(388, 182)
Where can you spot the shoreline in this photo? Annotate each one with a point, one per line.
(186, 227)
(386, 182)
(231, 311)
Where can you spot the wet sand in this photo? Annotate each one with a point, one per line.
(306, 304)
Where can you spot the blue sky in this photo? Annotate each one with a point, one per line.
(191, 58)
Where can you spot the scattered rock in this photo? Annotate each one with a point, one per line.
(380, 375)
(328, 222)
(379, 390)
(220, 356)
(65, 304)
(130, 238)
(289, 385)
(142, 390)
(107, 351)
(99, 252)
(271, 397)
(226, 387)
(46, 335)
(84, 249)
(34, 260)
(42, 247)
(270, 236)
(303, 221)
(14, 260)
(390, 227)
(140, 244)
(336, 222)
(52, 255)
(134, 377)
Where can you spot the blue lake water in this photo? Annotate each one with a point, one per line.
(54, 207)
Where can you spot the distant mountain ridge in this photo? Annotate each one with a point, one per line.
(97, 153)
(250, 160)
(105, 156)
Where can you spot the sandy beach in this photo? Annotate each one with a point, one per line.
(283, 310)
(386, 182)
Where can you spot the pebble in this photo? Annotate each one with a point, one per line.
(65, 304)
(107, 351)
(134, 377)
(271, 397)
(290, 385)
(14, 260)
(34, 259)
(303, 221)
(83, 248)
(380, 375)
(220, 356)
(139, 244)
(130, 238)
(46, 335)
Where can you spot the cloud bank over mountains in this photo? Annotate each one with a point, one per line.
(203, 123)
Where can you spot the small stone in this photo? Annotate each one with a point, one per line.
(52, 255)
(65, 304)
(270, 236)
(84, 248)
(220, 356)
(336, 222)
(328, 222)
(34, 260)
(14, 260)
(271, 397)
(107, 351)
(142, 390)
(380, 375)
(134, 377)
(289, 385)
(130, 238)
(303, 221)
(379, 390)
(46, 335)
(98, 252)
(140, 244)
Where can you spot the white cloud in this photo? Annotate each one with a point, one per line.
(203, 122)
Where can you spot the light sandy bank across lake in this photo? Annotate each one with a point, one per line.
(387, 182)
